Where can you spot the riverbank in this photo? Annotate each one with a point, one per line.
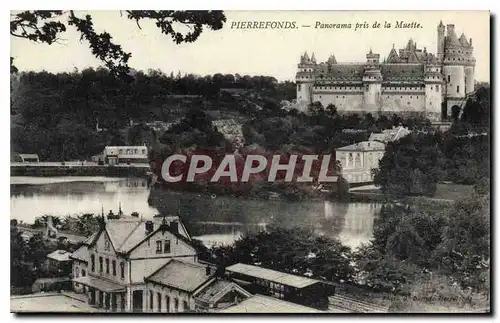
(446, 194)
(72, 170)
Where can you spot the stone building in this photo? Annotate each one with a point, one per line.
(359, 159)
(122, 253)
(180, 287)
(409, 82)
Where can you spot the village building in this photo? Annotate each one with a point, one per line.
(26, 158)
(115, 155)
(122, 253)
(390, 135)
(58, 263)
(287, 287)
(180, 287)
(358, 160)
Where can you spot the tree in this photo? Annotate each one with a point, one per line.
(411, 166)
(295, 250)
(465, 248)
(46, 26)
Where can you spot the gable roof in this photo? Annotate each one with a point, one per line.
(266, 304)
(29, 155)
(60, 255)
(180, 275)
(217, 289)
(81, 254)
(363, 146)
(126, 235)
(390, 134)
(272, 275)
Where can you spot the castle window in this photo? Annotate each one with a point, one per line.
(417, 97)
(448, 78)
(411, 97)
(343, 97)
(437, 88)
(431, 88)
(299, 86)
(401, 97)
(458, 89)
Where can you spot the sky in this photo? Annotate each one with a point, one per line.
(270, 52)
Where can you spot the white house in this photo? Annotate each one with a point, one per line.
(359, 159)
(114, 155)
(122, 253)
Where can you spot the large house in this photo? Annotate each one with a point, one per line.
(411, 81)
(359, 159)
(122, 253)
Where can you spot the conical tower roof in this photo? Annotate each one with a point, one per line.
(463, 41)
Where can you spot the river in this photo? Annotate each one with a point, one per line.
(214, 220)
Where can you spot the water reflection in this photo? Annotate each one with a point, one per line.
(213, 220)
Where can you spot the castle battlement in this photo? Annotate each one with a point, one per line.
(410, 79)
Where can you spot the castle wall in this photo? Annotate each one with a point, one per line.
(403, 102)
(344, 101)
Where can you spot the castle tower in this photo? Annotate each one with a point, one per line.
(372, 82)
(305, 80)
(458, 68)
(469, 62)
(434, 88)
(440, 41)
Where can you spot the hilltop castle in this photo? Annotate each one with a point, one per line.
(410, 81)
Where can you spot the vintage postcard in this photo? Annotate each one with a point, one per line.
(181, 162)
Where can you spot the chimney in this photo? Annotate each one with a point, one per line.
(149, 227)
(174, 226)
(208, 270)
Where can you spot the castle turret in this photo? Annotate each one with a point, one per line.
(313, 58)
(305, 79)
(440, 41)
(372, 81)
(434, 82)
(458, 69)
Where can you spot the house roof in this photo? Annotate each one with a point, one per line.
(180, 275)
(402, 71)
(217, 289)
(100, 284)
(363, 146)
(81, 254)
(128, 233)
(272, 275)
(390, 134)
(60, 255)
(266, 304)
(28, 156)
